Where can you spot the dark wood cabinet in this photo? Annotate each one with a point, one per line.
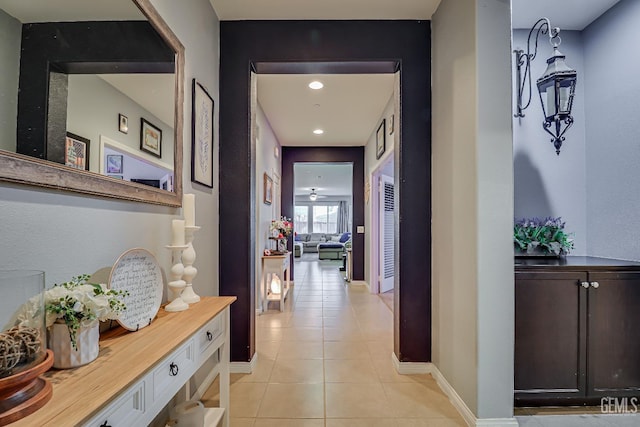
(575, 334)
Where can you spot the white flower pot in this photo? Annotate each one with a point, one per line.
(64, 355)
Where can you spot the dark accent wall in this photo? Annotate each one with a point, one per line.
(77, 48)
(353, 155)
(243, 44)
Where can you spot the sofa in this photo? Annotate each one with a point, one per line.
(326, 245)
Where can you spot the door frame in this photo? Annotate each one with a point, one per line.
(340, 46)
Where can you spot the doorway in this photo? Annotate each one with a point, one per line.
(329, 47)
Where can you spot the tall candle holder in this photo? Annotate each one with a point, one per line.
(189, 257)
(176, 285)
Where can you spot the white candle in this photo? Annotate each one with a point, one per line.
(189, 209)
(177, 232)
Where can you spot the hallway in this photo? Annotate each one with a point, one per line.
(326, 362)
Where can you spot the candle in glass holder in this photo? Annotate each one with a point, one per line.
(189, 209)
(177, 232)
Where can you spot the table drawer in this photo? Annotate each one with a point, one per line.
(174, 371)
(125, 411)
(208, 334)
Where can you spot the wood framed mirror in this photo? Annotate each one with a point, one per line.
(57, 142)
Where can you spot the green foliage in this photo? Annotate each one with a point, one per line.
(79, 303)
(546, 235)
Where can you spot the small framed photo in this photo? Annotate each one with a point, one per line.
(150, 138)
(114, 163)
(76, 152)
(202, 136)
(268, 189)
(380, 141)
(123, 123)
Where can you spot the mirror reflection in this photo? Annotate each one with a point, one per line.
(90, 85)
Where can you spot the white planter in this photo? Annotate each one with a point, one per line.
(64, 355)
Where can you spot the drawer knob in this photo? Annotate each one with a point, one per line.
(584, 284)
(209, 335)
(595, 285)
(105, 424)
(173, 369)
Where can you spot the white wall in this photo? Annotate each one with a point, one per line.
(10, 36)
(65, 234)
(370, 165)
(547, 184)
(613, 132)
(266, 161)
(472, 197)
(89, 118)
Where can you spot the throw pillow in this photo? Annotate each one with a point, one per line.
(335, 239)
(345, 237)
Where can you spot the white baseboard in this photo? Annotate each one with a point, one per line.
(409, 368)
(244, 367)
(359, 283)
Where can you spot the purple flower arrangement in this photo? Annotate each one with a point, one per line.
(546, 236)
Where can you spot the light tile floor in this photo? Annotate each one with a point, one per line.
(326, 362)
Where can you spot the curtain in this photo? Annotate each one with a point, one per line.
(343, 217)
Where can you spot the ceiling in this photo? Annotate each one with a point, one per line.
(231, 10)
(347, 108)
(566, 14)
(328, 179)
(71, 10)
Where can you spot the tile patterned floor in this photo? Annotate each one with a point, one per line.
(326, 362)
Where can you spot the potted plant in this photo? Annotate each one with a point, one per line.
(545, 237)
(281, 229)
(73, 311)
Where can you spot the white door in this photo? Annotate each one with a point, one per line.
(386, 204)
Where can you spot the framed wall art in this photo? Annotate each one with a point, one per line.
(123, 123)
(76, 152)
(150, 138)
(114, 163)
(380, 140)
(268, 189)
(202, 136)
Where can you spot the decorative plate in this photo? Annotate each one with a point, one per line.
(137, 272)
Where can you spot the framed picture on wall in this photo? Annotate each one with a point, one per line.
(150, 138)
(268, 189)
(202, 136)
(380, 141)
(114, 163)
(76, 151)
(123, 123)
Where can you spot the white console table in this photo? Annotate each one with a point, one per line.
(138, 373)
(280, 265)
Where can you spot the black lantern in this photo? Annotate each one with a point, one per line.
(556, 86)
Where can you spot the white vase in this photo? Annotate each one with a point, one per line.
(64, 355)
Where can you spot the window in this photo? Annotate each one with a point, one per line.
(325, 218)
(301, 219)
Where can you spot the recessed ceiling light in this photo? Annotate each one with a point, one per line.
(316, 85)
(318, 131)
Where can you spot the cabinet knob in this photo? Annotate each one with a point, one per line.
(173, 369)
(595, 285)
(584, 284)
(105, 424)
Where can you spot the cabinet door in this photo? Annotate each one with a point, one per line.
(614, 347)
(550, 348)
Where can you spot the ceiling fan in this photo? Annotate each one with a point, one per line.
(313, 196)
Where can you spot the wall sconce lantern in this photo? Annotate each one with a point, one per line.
(556, 86)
